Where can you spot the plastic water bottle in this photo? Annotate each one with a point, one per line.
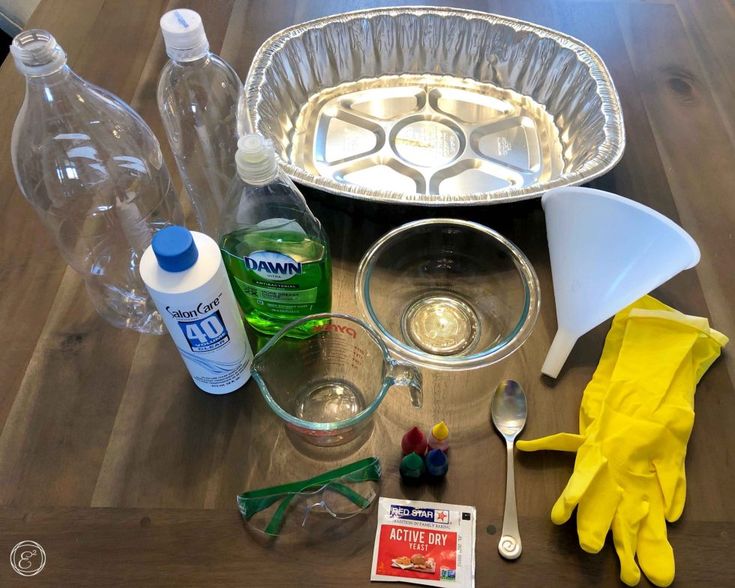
(197, 97)
(94, 172)
(275, 250)
(186, 277)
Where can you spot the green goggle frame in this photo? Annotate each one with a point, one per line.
(337, 480)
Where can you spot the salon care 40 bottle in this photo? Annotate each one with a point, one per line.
(186, 277)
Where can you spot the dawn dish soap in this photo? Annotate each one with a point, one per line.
(274, 248)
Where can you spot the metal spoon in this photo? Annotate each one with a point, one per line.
(509, 412)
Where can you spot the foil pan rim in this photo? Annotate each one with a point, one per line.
(609, 154)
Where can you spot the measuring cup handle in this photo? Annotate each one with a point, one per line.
(405, 374)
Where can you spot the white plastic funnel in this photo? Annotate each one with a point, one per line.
(606, 252)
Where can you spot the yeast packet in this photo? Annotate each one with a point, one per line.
(428, 543)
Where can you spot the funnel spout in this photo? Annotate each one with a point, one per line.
(560, 349)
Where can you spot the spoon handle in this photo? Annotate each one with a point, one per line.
(510, 539)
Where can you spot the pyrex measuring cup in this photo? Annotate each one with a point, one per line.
(327, 386)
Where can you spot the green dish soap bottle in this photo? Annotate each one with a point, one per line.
(274, 248)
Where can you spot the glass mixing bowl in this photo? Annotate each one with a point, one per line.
(448, 294)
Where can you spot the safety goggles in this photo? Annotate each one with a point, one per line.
(341, 493)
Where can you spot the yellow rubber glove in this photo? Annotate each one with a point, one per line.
(635, 419)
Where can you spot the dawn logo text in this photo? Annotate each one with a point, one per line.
(272, 266)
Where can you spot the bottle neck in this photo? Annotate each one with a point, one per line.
(199, 61)
(260, 179)
(58, 86)
(189, 55)
(36, 54)
(53, 78)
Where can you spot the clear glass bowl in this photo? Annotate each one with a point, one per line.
(448, 294)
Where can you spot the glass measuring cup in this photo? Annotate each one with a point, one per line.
(327, 386)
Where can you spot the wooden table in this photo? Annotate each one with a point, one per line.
(126, 474)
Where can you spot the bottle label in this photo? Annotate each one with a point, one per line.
(270, 265)
(278, 275)
(260, 295)
(265, 285)
(202, 317)
(211, 340)
(206, 334)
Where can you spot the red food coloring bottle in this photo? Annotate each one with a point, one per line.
(414, 442)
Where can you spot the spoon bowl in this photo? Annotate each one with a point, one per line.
(509, 409)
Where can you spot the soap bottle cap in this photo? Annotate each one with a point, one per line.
(255, 159)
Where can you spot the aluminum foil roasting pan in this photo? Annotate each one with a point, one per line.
(433, 106)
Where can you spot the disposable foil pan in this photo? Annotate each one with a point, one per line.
(433, 106)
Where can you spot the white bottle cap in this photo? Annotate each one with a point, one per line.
(255, 159)
(183, 34)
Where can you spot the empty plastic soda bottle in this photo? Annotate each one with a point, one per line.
(94, 173)
(197, 97)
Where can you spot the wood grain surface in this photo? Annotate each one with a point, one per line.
(127, 474)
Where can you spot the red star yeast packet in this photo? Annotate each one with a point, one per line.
(424, 543)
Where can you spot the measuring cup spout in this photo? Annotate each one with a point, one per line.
(405, 374)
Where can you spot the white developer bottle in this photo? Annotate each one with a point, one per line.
(185, 275)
